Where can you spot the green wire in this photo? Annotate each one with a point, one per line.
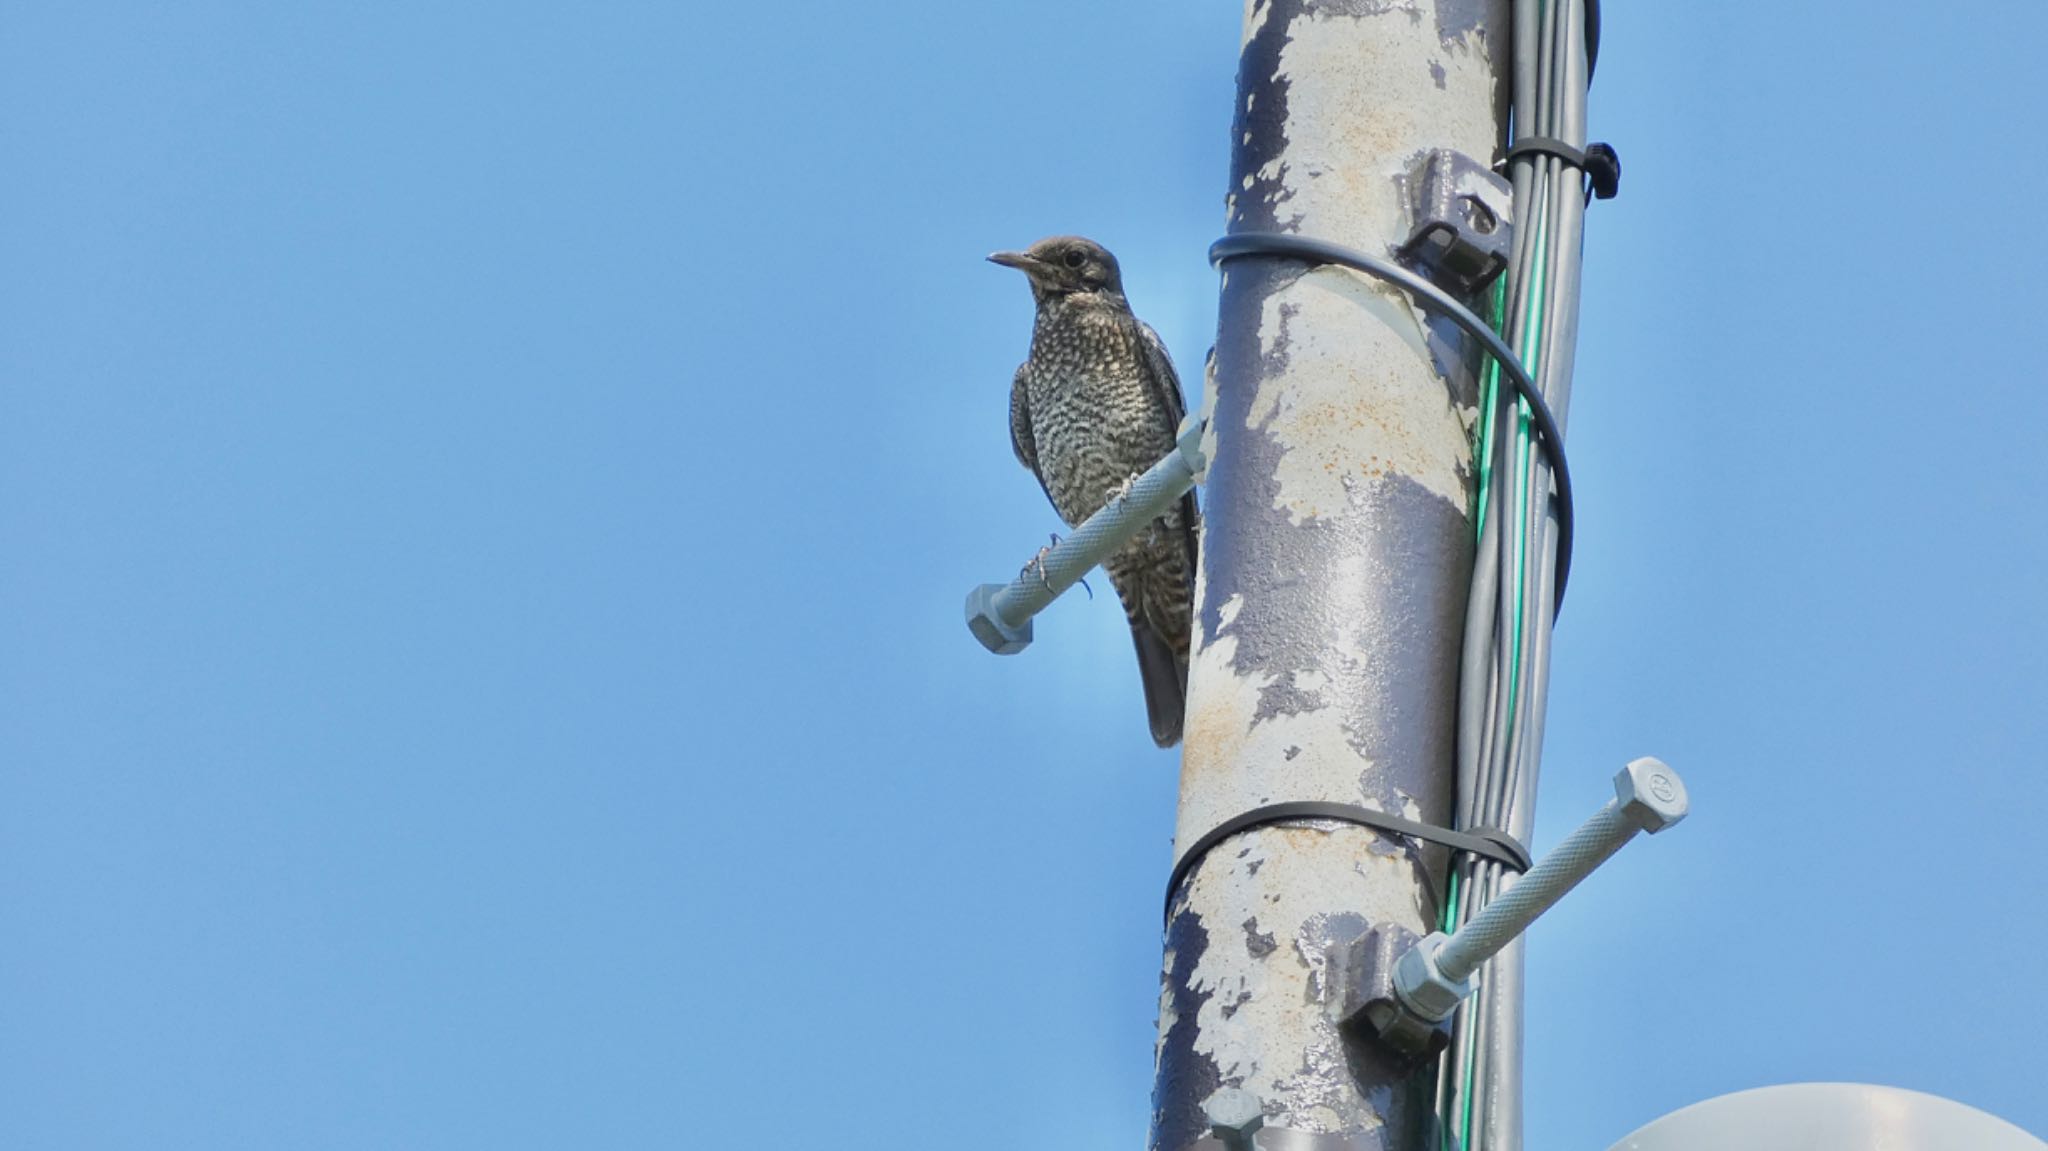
(1449, 922)
(1518, 494)
(1532, 331)
(1489, 395)
(1517, 499)
(1523, 482)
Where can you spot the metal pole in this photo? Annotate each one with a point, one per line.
(1335, 557)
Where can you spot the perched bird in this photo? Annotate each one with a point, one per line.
(1094, 406)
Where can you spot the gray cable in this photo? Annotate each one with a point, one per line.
(1499, 752)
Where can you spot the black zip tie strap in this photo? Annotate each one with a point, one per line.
(1484, 842)
(1600, 162)
(1547, 146)
(1291, 247)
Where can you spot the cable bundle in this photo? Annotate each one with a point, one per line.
(1504, 670)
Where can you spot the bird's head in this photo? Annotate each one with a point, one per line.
(1063, 265)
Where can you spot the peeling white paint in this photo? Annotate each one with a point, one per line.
(1281, 993)
(1360, 401)
(1208, 410)
(1167, 1015)
(1255, 13)
(1227, 614)
(1344, 162)
(1233, 761)
(1353, 408)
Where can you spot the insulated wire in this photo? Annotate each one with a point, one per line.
(1504, 677)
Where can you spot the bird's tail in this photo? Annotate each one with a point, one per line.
(1166, 683)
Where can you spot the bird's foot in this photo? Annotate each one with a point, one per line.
(1037, 565)
(1122, 492)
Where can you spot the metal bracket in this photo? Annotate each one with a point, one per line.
(1366, 998)
(1463, 215)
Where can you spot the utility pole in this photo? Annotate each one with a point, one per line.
(1336, 557)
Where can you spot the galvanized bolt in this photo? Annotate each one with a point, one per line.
(1432, 977)
(1000, 615)
(1234, 1115)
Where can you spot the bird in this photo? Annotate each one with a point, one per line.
(1094, 405)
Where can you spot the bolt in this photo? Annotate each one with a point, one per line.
(1651, 795)
(1648, 796)
(1234, 1115)
(1482, 217)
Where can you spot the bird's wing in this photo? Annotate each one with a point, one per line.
(1165, 385)
(1020, 428)
(1159, 374)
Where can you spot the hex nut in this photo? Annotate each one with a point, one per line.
(988, 626)
(1650, 794)
(1422, 986)
(1234, 1114)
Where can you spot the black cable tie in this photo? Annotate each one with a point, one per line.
(1484, 842)
(1603, 168)
(1600, 162)
(1547, 146)
(1293, 247)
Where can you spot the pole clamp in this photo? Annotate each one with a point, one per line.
(1463, 229)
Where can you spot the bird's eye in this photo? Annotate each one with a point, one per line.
(1076, 257)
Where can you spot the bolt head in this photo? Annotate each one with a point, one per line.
(1233, 1112)
(988, 626)
(1651, 794)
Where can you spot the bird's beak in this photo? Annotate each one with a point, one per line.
(1027, 264)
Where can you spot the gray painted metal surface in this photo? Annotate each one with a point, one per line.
(1335, 556)
(1829, 1117)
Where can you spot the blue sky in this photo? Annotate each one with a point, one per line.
(487, 492)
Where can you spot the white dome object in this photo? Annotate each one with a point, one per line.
(1829, 1117)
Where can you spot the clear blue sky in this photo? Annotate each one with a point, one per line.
(486, 493)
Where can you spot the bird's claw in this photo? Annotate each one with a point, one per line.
(1037, 565)
(1122, 492)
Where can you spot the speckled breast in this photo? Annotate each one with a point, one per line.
(1093, 415)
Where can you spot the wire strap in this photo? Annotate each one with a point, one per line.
(1288, 246)
(1547, 146)
(1600, 162)
(1484, 842)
